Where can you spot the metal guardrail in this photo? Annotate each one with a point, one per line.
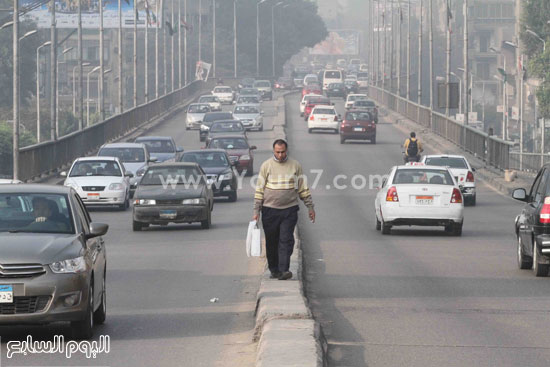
(44, 158)
(490, 149)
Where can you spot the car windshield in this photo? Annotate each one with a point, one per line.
(356, 98)
(170, 175)
(313, 86)
(249, 91)
(350, 82)
(248, 99)
(222, 90)
(324, 111)
(159, 145)
(35, 213)
(228, 143)
(125, 155)
(423, 177)
(211, 117)
(318, 101)
(198, 108)
(262, 84)
(246, 109)
(229, 127)
(207, 159)
(452, 162)
(208, 99)
(358, 116)
(364, 103)
(311, 79)
(335, 85)
(332, 75)
(362, 75)
(95, 168)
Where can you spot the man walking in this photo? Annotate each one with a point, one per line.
(412, 148)
(280, 184)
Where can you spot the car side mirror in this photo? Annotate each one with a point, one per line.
(128, 174)
(234, 102)
(473, 169)
(262, 112)
(63, 174)
(179, 149)
(97, 229)
(253, 147)
(153, 159)
(519, 194)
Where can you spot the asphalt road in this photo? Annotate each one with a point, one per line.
(160, 282)
(418, 297)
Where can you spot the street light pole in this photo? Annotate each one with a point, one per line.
(146, 61)
(88, 94)
(185, 42)
(384, 60)
(79, 66)
(80, 61)
(48, 43)
(172, 53)
(157, 49)
(448, 52)
(15, 89)
(409, 54)
(179, 45)
(53, 73)
(466, 67)
(235, 38)
(135, 55)
(57, 90)
(431, 40)
(101, 61)
(420, 57)
(273, 37)
(200, 30)
(214, 38)
(120, 71)
(258, 37)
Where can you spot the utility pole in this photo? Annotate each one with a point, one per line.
(53, 73)
(371, 26)
(185, 42)
(399, 49)
(384, 61)
(200, 30)
(214, 38)
(392, 45)
(164, 56)
(157, 49)
(431, 36)
(409, 54)
(448, 52)
(173, 55)
(466, 69)
(101, 62)
(179, 45)
(235, 38)
(146, 61)
(80, 71)
(120, 77)
(378, 44)
(135, 54)
(420, 56)
(16, 89)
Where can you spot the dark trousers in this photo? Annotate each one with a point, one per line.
(279, 236)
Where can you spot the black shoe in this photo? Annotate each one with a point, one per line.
(285, 275)
(275, 275)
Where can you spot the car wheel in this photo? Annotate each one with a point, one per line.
(456, 229)
(386, 228)
(378, 224)
(249, 171)
(187, 128)
(309, 130)
(232, 196)
(301, 114)
(136, 226)
(524, 261)
(473, 201)
(261, 127)
(373, 140)
(205, 224)
(336, 131)
(101, 313)
(83, 329)
(342, 139)
(202, 138)
(540, 270)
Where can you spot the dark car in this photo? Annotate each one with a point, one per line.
(351, 86)
(246, 83)
(250, 92)
(230, 127)
(163, 148)
(218, 168)
(358, 124)
(238, 149)
(314, 102)
(173, 193)
(284, 83)
(336, 90)
(209, 119)
(533, 225)
(367, 105)
(54, 260)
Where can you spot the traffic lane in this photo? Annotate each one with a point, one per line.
(417, 297)
(161, 281)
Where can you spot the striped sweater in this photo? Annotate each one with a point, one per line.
(280, 184)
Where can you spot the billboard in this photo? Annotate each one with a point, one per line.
(338, 42)
(66, 13)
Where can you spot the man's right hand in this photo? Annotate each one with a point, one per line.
(255, 217)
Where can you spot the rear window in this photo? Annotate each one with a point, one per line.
(198, 108)
(208, 99)
(228, 143)
(219, 127)
(333, 75)
(207, 159)
(356, 98)
(324, 111)
(358, 116)
(210, 117)
(362, 75)
(87, 168)
(159, 146)
(174, 175)
(423, 177)
(335, 85)
(262, 84)
(222, 90)
(246, 109)
(126, 155)
(451, 162)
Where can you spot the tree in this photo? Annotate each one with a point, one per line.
(535, 17)
(6, 147)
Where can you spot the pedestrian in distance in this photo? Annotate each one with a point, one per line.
(280, 184)
(413, 148)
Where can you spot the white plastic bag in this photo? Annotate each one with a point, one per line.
(253, 240)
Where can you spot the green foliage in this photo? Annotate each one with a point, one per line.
(6, 147)
(535, 17)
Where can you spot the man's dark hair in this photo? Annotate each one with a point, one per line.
(280, 142)
(413, 135)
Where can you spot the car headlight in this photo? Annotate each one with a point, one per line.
(245, 157)
(71, 266)
(140, 172)
(198, 201)
(145, 202)
(190, 118)
(226, 176)
(116, 187)
(71, 184)
(204, 128)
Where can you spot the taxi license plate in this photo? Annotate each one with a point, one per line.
(93, 196)
(360, 129)
(424, 200)
(168, 214)
(6, 294)
(323, 119)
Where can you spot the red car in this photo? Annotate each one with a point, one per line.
(237, 149)
(312, 89)
(358, 124)
(314, 102)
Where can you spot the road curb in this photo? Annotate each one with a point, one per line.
(286, 332)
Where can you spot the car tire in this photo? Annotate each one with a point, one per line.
(309, 130)
(137, 226)
(261, 128)
(378, 224)
(187, 128)
(301, 114)
(540, 270)
(473, 201)
(249, 171)
(100, 315)
(373, 140)
(232, 197)
(342, 140)
(205, 224)
(84, 329)
(202, 138)
(386, 228)
(456, 229)
(524, 261)
(336, 131)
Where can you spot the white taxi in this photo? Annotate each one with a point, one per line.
(224, 93)
(419, 195)
(323, 117)
(355, 97)
(461, 170)
(213, 101)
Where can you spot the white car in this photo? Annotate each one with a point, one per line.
(352, 77)
(354, 97)
(100, 181)
(419, 195)
(305, 100)
(213, 101)
(311, 78)
(195, 114)
(461, 170)
(225, 94)
(323, 118)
